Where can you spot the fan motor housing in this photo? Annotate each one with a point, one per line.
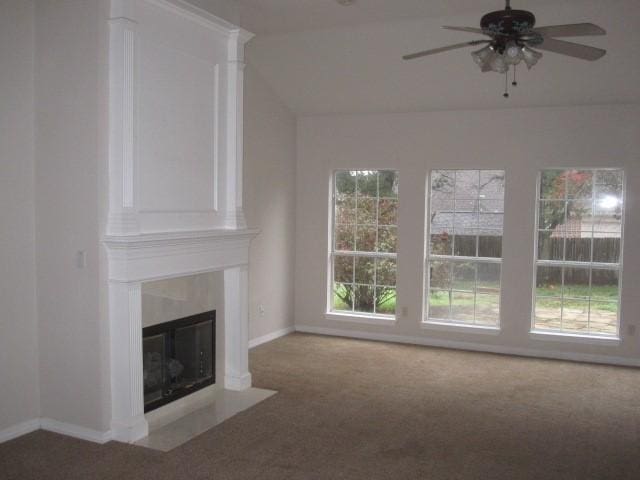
(508, 23)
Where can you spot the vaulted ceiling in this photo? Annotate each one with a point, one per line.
(321, 57)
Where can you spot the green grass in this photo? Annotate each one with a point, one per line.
(547, 298)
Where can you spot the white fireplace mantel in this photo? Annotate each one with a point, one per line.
(135, 259)
(175, 180)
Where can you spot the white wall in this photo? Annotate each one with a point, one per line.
(269, 202)
(519, 141)
(69, 154)
(18, 323)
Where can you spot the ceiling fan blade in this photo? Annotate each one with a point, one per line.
(572, 30)
(444, 49)
(465, 29)
(570, 49)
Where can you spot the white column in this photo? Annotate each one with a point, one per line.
(127, 388)
(235, 80)
(236, 326)
(123, 213)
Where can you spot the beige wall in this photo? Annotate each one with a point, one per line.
(521, 141)
(269, 201)
(70, 104)
(18, 324)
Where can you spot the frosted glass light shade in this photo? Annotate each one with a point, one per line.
(530, 57)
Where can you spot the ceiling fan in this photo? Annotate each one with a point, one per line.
(514, 38)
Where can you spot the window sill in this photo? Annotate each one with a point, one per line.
(551, 336)
(361, 318)
(460, 328)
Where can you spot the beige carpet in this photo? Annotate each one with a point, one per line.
(352, 409)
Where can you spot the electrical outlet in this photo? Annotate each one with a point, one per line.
(261, 310)
(81, 259)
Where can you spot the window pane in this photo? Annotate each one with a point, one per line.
(579, 184)
(467, 183)
(365, 239)
(442, 182)
(388, 239)
(462, 307)
(492, 184)
(346, 209)
(367, 184)
(441, 275)
(548, 313)
(604, 285)
(343, 269)
(464, 276)
(441, 244)
(487, 309)
(551, 214)
(488, 278)
(439, 303)
(345, 235)
(549, 282)
(550, 247)
(388, 184)
(465, 244)
(346, 183)
(553, 184)
(490, 246)
(343, 296)
(578, 249)
(366, 211)
(388, 212)
(466, 214)
(576, 283)
(364, 270)
(364, 299)
(365, 218)
(386, 300)
(587, 299)
(575, 315)
(603, 317)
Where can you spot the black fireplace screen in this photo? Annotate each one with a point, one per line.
(178, 358)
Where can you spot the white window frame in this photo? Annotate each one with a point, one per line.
(572, 335)
(450, 323)
(354, 315)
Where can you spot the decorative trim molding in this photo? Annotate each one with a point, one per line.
(196, 15)
(19, 429)
(470, 346)
(269, 337)
(75, 431)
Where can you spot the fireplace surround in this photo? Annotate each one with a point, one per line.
(175, 182)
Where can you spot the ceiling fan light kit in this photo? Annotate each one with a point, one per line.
(514, 39)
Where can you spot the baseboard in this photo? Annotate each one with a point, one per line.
(271, 336)
(20, 429)
(75, 431)
(475, 347)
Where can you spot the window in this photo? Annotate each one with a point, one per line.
(364, 243)
(464, 254)
(578, 252)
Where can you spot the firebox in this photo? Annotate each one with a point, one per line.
(178, 358)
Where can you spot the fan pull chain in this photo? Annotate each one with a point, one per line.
(506, 84)
(515, 82)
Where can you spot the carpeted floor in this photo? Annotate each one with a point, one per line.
(351, 409)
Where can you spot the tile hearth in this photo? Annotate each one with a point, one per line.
(227, 404)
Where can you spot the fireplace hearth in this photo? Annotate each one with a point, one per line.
(178, 358)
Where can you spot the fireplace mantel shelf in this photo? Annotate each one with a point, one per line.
(166, 239)
(155, 256)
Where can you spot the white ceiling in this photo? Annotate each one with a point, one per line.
(358, 68)
(278, 16)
